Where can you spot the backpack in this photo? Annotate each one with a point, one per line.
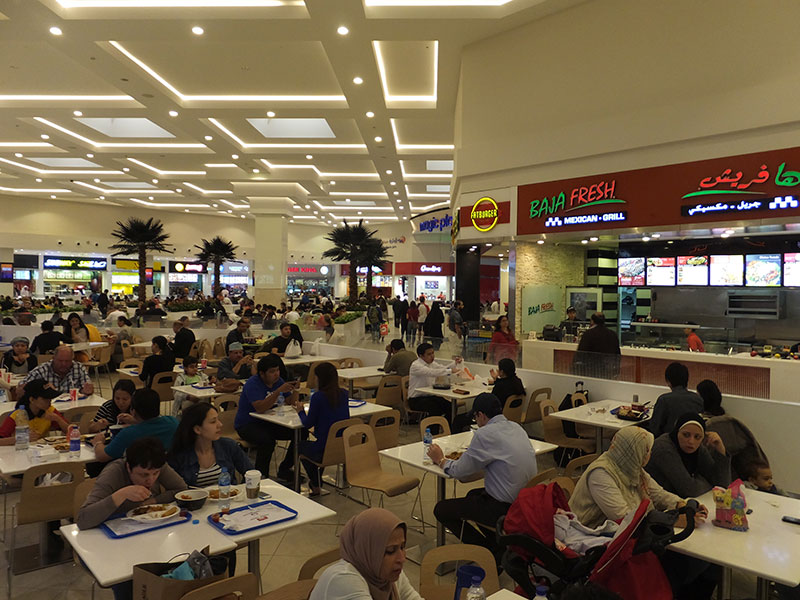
(373, 314)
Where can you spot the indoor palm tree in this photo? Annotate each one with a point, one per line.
(373, 254)
(137, 236)
(349, 242)
(216, 251)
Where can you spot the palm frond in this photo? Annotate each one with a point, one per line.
(135, 233)
(216, 250)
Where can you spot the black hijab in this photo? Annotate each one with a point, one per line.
(689, 460)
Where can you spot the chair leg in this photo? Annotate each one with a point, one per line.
(418, 498)
(12, 545)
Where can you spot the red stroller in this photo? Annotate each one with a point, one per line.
(628, 565)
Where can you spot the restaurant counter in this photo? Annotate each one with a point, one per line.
(739, 374)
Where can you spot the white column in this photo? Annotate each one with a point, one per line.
(272, 253)
(39, 283)
(7, 256)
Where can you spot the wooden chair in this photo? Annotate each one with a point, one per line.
(80, 414)
(227, 417)
(364, 465)
(127, 351)
(438, 424)
(103, 360)
(513, 408)
(362, 383)
(534, 411)
(542, 477)
(162, 384)
(333, 454)
(386, 426)
(205, 350)
(301, 589)
(574, 468)
(259, 355)
(407, 410)
(194, 349)
(312, 566)
(226, 402)
(219, 348)
(43, 358)
(245, 586)
(350, 363)
(311, 381)
(390, 391)
(554, 433)
(39, 503)
(431, 589)
(86, 421)
(132, 363)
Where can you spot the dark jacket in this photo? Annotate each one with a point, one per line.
(599, 339)
(155, 364)
(45, 343)
(9, 361)
(667, 468)
(507, 386)
(183, 342)
(598, 354)
(228, 453)
(670, 406)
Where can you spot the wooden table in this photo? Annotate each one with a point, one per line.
(588, 415)
(350, 375)
(470, 387)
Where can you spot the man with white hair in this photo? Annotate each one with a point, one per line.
(63, 373)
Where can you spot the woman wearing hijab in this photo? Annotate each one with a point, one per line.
(433, 326)
(689, 460)
(373, 550)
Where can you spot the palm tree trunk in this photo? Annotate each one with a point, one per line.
(142, 274)
(369, 282)
(217, 282)
(353, 282)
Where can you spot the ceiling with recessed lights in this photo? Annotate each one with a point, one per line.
(338, 107)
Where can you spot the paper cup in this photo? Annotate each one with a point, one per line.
(73, 394)
(252, 483)
(204, 363)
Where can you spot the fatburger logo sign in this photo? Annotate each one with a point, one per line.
(484, 214)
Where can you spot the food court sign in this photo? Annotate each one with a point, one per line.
(751, 186)
(75, 263)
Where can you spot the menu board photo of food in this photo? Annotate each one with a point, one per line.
(692, 270)
(791, 269)
(630, 271)
(727, 270)
(661, 271)
(763, 270)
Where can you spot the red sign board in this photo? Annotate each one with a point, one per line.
(425, 268)
(762, 185)
(485, 214)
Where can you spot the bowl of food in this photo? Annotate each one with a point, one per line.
(191, 499)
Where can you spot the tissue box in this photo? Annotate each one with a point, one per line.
(731, 507)
(42, 453)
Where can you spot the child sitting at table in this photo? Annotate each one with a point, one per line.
(759, 477)
(190, 376)
(42, 416)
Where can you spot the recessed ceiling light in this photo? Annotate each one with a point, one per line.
(102, 197)
(291, 220)
(155, 180)
(370, 114)
(333, 183)
(342, 30)
(405, 218)
(347, 199)
(173, 113)
(215, 205)
(234, 156)
(593, 239)
(316, 212)
(179, 190)
(358, 80)
(725, 235)
(392, 183)
(18, 154)
(270, 113)
(197, 30)
(728, 231)
(208, 138)
(359, 212)
(56, 30)
(307, 206)
(89, 155)
(645, 239)
(396, 193)
(185, 210)
(488, 245)
(388, 171)
(149, 197)
(77, 113)
(540, 242)
(125, 169)
(584, 241)
(44, 136)
(309, 156)
(53, 196)
(243, 216)
(96, 180)
(658, 235)
(38, 180)
(399, 200)
(378, 139)
(256, 171)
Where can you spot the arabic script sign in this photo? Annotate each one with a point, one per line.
(751, 186)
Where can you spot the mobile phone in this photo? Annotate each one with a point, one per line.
(462, 392)
(264, 496)
(792, 520)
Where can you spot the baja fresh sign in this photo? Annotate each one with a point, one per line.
(541, 305)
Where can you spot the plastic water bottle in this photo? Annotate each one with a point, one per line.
(541, 592)
(280, 402)
(475, 591)
(427, 440)
(22, 431)
(74, 441)
(224, 490)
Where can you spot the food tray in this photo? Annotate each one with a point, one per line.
(123, 527)
(264, 514)
(357, 403)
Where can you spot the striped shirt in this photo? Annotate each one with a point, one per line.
(108, 411)
(209, 476)
(76, 377)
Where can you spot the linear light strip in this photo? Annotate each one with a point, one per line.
(168, 205)
(125, 191)
(114, 144)
(65, 98)
(422, 175)
(221, 98)
(25, 145)
(428, 3)
(220, 165)
(175, 3)
(199, 189)
(244, 145)
(232, 205)
(372, 194)
(337, 207)
(160, 172)
(58, 171)
(416, 146)
(400, 98)
(42, 190)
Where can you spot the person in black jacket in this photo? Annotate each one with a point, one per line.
(184, 338)
(506, 382)
(161, 361)
(598, 351)
(19, 359)
(433, 326)
(48, 340)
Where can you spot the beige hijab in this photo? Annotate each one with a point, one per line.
(623, 461)
(363, 543)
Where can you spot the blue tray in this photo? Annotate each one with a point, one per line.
(356, 403)
(116, 536)
(221, 528)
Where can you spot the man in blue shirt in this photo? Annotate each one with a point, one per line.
(145, 408)
(501, 449)
(261, 393)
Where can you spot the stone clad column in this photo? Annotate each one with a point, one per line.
(7, 256)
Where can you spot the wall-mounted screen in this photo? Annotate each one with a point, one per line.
(6, 272)
(791, 269)
(763, 270)
(661, 271)
(727, 270)
(630, 271)
(692, 270)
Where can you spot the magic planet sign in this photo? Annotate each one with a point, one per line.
(762, 185)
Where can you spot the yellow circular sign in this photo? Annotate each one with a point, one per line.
(179, 267)
(484, 214)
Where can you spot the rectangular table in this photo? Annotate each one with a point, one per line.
(471, 387)
(195, 393)
(112, 561)
(78, 346)
(770, 549)
(307, 359)
(588, 415)
(350, 375)
(411, 454)
(287, 417)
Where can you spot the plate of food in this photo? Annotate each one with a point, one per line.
(454, 455)
(56, 439)
(628, 413)
(61, 447)
(152, 513)
(236, 493)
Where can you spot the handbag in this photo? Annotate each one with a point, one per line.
(150, 583)
(293, 349)
(384, 329)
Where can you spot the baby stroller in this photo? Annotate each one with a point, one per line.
(627, 566)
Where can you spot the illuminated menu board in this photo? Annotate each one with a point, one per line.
(692, 270)
(727, 270)
(661, 271)
(630, 271)
(763, 270)
(791, 269)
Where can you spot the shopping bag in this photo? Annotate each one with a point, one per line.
(149, 582)
(293, 350)
(384, 329)
(315, 347)
(731, 507)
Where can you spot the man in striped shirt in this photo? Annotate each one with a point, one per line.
(63, 373)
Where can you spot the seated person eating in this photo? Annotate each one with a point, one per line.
(42, 416)
(117, 410)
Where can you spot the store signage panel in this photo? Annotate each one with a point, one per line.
(760, 185)
(126, 264)
(187, 267)
(68, 262)
(427, 268)
(6, 272)
(344, 270)
(485, 214)
(436, 225)
(183, 277)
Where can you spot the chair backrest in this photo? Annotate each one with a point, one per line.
(311, 380)
(534, 410)
(77, 414)
(258, 355)
(81, 493)
(513, 408)
(431, 589)
(297, 590)
(226, 402)
(350, 362)
(438, 424)
(43, 358)
(227, 417)
(316, 562)
(245, 585)
(543, 477)
(219, 348)
(333, 454)
(574, 468)
(553, 432)
(162, 384)
(127, 351)
(205, 349)
(404, 392)
(104, 354)
(194, 350)
(360, 450)
(86, 421)
(131, 363)
(386, 426)
(390, 391)
(566, 484)
(39, 502)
